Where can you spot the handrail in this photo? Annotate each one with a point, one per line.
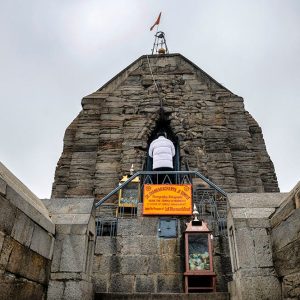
(198, 174)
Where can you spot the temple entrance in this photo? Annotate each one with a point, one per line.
(163, 125)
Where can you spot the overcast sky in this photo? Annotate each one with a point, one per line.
(54, 52)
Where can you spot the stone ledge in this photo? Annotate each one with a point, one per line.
(22, 198)
(256, 200)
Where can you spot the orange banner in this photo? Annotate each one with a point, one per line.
(167, 199)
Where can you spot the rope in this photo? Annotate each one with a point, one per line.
(160, 99)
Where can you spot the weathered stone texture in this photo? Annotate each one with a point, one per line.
(286, 244)
(217, 136)
(26, 240)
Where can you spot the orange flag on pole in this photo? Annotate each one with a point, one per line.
(156, 22)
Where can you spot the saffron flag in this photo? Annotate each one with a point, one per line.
(156, 22)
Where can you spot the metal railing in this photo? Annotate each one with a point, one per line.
(171, 177)
(210, 200)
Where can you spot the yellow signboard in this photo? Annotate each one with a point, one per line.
(167, 199)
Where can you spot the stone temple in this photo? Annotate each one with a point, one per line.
(85, 243)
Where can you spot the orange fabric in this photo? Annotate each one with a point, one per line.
(156, 22)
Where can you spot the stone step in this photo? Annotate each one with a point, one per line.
(170, 296)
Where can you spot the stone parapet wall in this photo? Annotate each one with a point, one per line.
(71, 268)
(249, 228)
(26, 241)
(286, 244)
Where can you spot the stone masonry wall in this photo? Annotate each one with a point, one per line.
(26, 241)
(216, 135)
(286, 244)
(249, 230)
(137, 260)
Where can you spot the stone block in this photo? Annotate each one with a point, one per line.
(245, 246)
(7, 215)
(154, 264)
(171, 264)
(256, 200)
(247, 213)
(169, 246)
(32, 207)
(170, 283)
(259, 223)
(280, 238)
(101, 283)
(7, 246)
(12, 287)
(121, 283)
(260, 287)
(106, 245)
(283, 212)
(144, 284)
(263, 252)
(42, 242)
(291, 286)
(26, 263)
(128, 227)
(74, 253)
(2, 187)
(149, 226)
(149, 245)
(287, 260)
(129, 245)
(69, 205)
(23, 229)
(57, 251)
(137, 264)
(81, 290)
(2, 236)
(71, 218)
(55, 290)
(104, 264)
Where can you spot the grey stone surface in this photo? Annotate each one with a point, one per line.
(22, 198)
(106, 245)
(291, 226)
(69, 205)
(55, 290)
(74, 253)
(291, 286)
(101, 283)
(170, 283)
(7, 215)
(135, 265)
(25, 263)
(145, 284)
(2, 187)
(78, 290)
(256, 200)
(42, 242)
(260, 287)
(23, 229)
(121, 283)
(290, 203)
(287, 259)
(15, 288)
(71, 218)
(246, 213)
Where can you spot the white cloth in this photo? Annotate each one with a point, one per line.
(162, 150)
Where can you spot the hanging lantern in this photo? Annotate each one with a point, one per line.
(199, 276)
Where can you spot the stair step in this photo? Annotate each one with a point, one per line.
(170, 296)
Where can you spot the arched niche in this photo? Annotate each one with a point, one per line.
(163, 124)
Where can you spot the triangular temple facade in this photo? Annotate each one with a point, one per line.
(211, 128)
